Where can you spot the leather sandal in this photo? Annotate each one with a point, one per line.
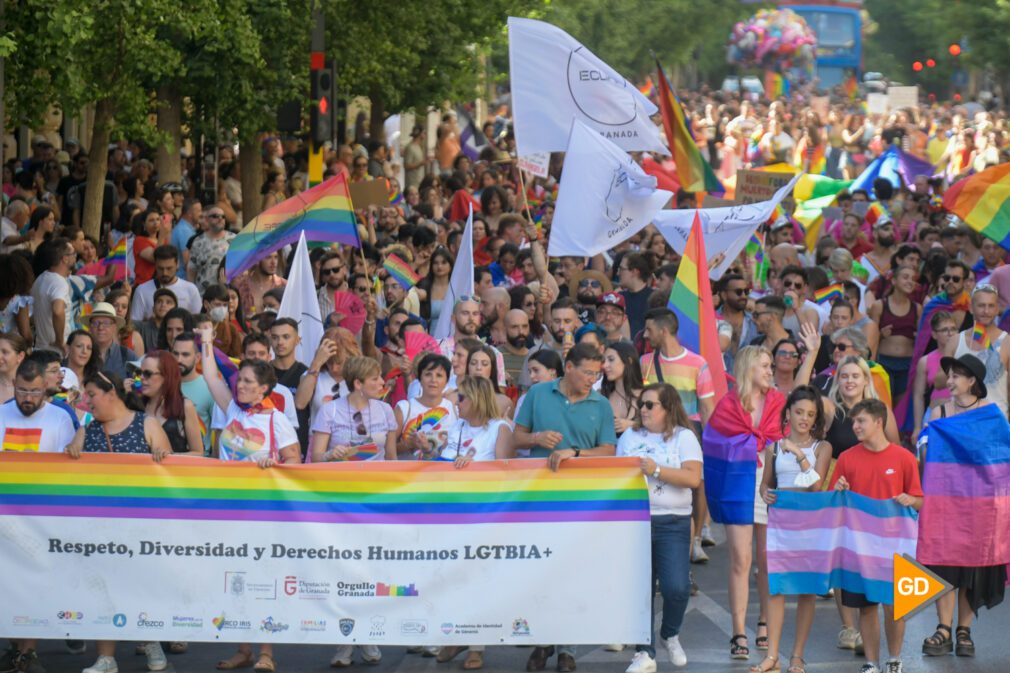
(763, 668)
(447, 654)
(794, 668)
(965, 645)
(939, 643)
(761, 642)
(265, 663)
(474, 661)
(736, 650)
(237, 660)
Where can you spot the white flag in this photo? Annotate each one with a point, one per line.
(604, 197)
(301, 304)
(460, 282)
(725, 229)
(554, 79)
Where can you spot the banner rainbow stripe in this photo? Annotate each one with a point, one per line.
(373, 492)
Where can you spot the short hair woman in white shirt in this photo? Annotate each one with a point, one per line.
(668, 452)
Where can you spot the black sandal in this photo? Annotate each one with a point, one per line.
(761, 642)
(736, 650)
(965, 645)
(939, 644)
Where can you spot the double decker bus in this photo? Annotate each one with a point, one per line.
(838, 26)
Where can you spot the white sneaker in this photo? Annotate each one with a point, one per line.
(698, 554)
(641, 663)
(429, 651)
(676, 652)
(893, 666)
(103, 665)
(847, 639)
(370, 654)
(156, 660)
(706, 536)
(342, 657)
(613, 648)
(869, 668)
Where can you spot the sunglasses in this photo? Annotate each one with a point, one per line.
(460, 397)
(738, 291)
(788, 354)
(331, 270)
(647, 404)
(842, 347)
(360, 429)
(793, 284)
(147, 374)
(362, 289)
(948, 278)
(214, 216)
(589, 282)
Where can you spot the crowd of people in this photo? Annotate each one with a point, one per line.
(550, 358)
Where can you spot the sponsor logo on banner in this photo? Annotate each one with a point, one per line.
(520, 627)
(306, 589)
(313, 625)
(187, 622)
(102, 620)
(378, 628)
(346, 626)
(239, 584)
(119, 620)
(447, 627)
(271, 626)
(145, 622)
(70, 616)
(22, 620)
(370, 589)
(221, 623)
(413, 627)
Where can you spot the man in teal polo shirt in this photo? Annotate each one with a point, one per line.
(563, 419)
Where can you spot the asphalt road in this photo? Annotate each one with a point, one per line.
(705, 637)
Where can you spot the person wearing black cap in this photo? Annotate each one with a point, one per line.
(976, 586)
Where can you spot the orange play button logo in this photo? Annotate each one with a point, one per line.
(915, 587)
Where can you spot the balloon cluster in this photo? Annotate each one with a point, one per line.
(774, 39)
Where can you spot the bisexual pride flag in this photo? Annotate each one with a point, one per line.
(967, 498)
(837, 539)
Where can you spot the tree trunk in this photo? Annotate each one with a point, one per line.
(251, 166)
(91, 216)
(377, 116)
(166, 159)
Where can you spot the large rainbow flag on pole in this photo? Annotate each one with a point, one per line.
(837, 539)
(324, 213)
(964, 511)
(691, 300)
(983, 201)
(693, 172)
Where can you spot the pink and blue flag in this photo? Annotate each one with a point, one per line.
(967, 502)
(837, 539)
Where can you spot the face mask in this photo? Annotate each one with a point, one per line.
(219, 313)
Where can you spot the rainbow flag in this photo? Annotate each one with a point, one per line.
(395, 195)
(755, 251)
(983, 201)
(691, 300)
(121, 486)
(401, 271)
(120, 255)
(649, 88)
(829, 293)
(324, 213)
(851, 88)
(775, 85)
(837, 539)
(980, 335)
(964, 481)
(693, 172)
(874, 212)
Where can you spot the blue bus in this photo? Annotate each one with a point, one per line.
(839, 28)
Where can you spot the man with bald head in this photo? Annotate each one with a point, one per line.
(15, 217)
(516, 346)
(494, 304)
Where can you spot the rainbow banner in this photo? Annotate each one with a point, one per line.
(401, 271)
(323, 212)
(983, 201)
(271, 550)
(837, 539)
(693, 172)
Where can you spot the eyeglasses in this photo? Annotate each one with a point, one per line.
(148, 374)
(984, 287)
(102, 324)
(463, 298)
(214, 216)
(589, 282)
(788, 354)
(948, 278)
(330, 270)
(842, 347)
(793, 284)
(29, 393)
(647, 404)
(595, 376)
(946, 330)
(360, 165)
(360, 429)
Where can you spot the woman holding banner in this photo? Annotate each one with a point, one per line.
(796, 463)
(744, 422)
(667, 449)
(976, 586)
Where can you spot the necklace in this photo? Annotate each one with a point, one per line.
(961, 406)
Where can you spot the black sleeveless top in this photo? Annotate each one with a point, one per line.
(840, 436)
(176, 431)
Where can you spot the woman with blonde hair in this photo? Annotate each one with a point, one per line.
(324, 379)
(743, 423)
(481, 433)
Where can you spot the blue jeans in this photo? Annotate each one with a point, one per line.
(671, 552)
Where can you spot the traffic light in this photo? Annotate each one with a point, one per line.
(323, 104)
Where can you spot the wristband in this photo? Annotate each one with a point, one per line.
(655, 473)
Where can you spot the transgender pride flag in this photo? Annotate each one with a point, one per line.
(837, 539)
(967, 490)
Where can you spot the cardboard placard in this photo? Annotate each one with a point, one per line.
(755, 186)
(876, 103)
(901, 97)
(536, 164)
(369, 193)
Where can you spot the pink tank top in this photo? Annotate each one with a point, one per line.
(932, 367)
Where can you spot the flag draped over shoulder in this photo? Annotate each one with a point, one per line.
(966, 505)
(894, 165)
(693, 172)
(726, 229)
(837, 539)
(555, 79)
(731, 446)
(604, 199)
(983, 201)
(323, 212)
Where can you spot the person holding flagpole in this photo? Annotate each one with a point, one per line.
(988, 343)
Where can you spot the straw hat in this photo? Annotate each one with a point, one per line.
(103, 310)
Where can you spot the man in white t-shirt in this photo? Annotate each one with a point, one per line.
(29, 423)
(51, 300)
(166, 270)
